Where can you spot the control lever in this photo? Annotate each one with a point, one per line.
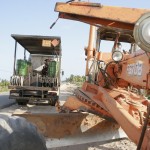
(54, 23)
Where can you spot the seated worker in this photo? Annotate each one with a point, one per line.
(45, 68)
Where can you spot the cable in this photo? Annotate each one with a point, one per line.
(109, 64)
(69, 1)
(107, 78)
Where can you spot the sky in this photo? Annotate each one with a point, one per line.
(34, 17)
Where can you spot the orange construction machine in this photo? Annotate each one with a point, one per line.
(117, 87)
(117, 83)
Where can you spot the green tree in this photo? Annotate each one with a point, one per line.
(75, 79)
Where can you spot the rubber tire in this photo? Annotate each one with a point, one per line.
(53, 100)
(18, 134)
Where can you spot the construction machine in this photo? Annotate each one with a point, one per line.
(36, 79)
(117, 83)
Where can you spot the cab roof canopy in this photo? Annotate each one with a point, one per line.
(110, 34)
(46, 45)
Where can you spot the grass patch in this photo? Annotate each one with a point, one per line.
(4, 89)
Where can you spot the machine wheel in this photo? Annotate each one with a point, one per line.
(18, 134)
(53, 100)
(22, 102)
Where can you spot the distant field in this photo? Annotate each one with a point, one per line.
(3, 89)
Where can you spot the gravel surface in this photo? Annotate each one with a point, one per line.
(124, 144)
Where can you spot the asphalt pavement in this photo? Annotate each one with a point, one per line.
(5, 101)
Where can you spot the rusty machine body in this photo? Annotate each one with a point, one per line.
(118, 82)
